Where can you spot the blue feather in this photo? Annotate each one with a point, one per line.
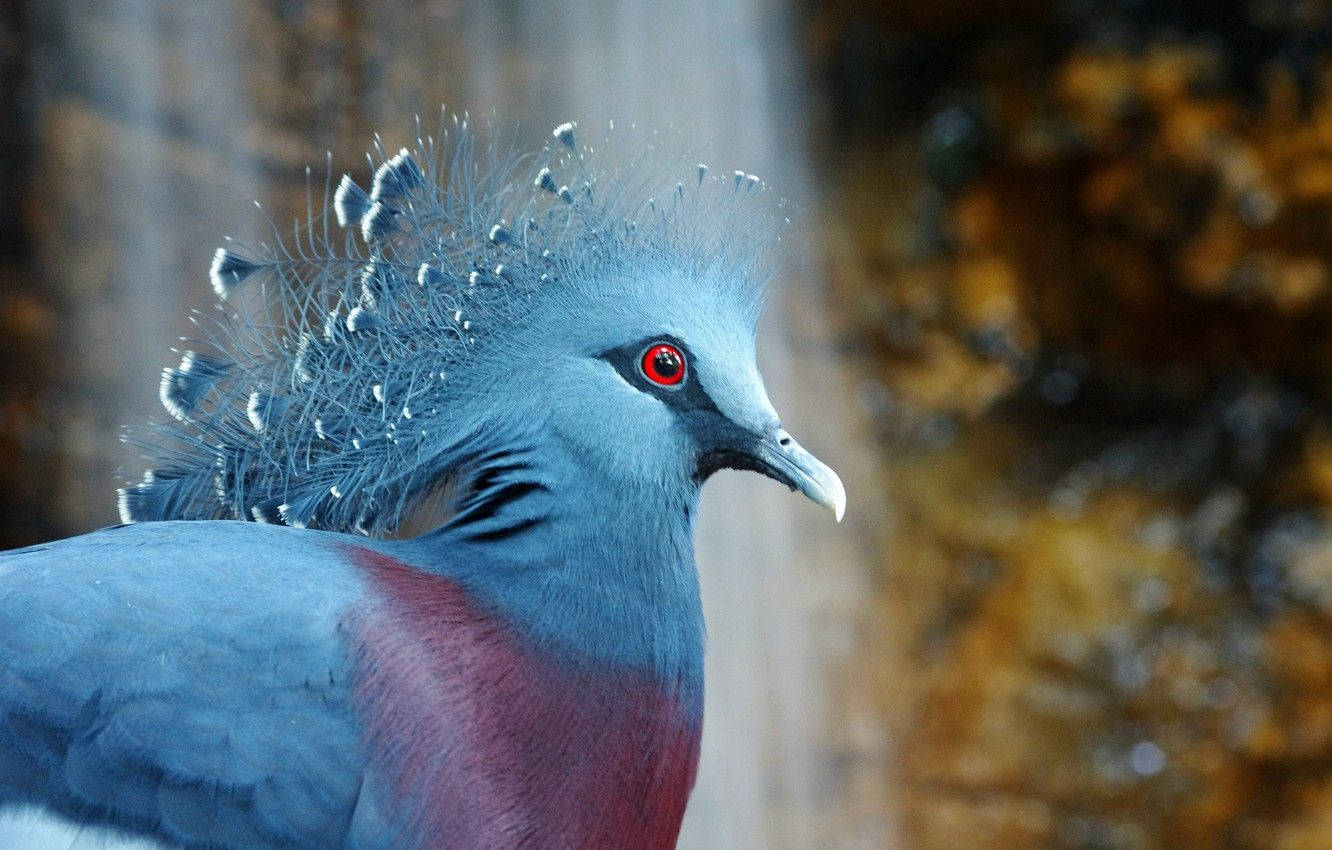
(360, 319)
(398, 176)
(545, 182)
(565, 133)
(164, 493)
(265, 408)
(350, 202)
(183, 387)
(429, 277)
(378, 221)
(229, 270)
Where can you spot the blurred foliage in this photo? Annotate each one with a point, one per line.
(1101, 345)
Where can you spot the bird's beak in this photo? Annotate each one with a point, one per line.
(785, 460)
(778, 456)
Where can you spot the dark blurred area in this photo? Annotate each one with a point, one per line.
(1087, 250)
(1079, 262)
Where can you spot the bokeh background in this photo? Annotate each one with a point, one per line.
(1058, 305)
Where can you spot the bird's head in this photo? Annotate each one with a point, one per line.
(472, 319)
(650, 376)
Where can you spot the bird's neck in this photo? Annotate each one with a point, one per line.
(601, 571)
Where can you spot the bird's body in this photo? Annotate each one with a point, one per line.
(568, 369)
(377, 680)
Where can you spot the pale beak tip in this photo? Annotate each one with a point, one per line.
(838, 497)
(828, 491)
(791, 464)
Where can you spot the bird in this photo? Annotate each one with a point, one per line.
(414, 565)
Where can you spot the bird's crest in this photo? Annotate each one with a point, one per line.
(348, 386)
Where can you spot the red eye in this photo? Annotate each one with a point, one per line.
(664, 364)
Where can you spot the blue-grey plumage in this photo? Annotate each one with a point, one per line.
(188, 680)
(566, 358)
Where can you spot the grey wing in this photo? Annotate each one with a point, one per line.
(186, 681)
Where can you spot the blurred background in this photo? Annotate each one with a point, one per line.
(1058, 305)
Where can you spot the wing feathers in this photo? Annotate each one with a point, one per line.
(202, 699)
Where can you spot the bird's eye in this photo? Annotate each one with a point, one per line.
(663, 364)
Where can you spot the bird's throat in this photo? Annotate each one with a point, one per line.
(604, 580)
